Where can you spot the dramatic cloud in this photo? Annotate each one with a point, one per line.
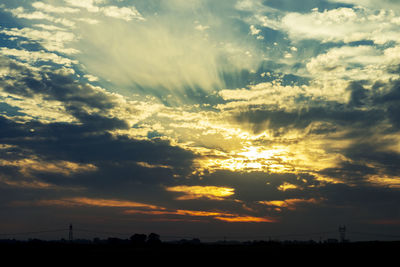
(203, 117)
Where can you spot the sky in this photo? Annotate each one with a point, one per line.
(238, 118)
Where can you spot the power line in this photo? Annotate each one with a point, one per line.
(100, 232)
(70, 234)
(375, 234)
(36, 232)
(233, 236)
(305, 234)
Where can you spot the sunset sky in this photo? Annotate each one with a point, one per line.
(200, 118)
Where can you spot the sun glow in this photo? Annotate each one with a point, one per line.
(250, 159)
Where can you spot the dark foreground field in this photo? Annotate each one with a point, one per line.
(377, 253)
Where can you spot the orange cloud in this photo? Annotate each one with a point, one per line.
(149, 212)
(142, 208)
(96, 202)
(246, 219)
(222, 216)
(290, 203)
(198, 192)
(202, 213)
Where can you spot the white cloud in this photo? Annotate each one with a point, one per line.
(254, 6)
(164, 53)
(342, 25)
(91, 78)
(288, 55)
(21, 13)
(254, 30)
(341, 58)
(201, 28)
(90, 5)
(278, 95)
(124, 13)
(266, 21)
(357, 63)
(374, 4)
(37, 56)
(48, 27)
(50, 40)
(54, 9)
(89, 21)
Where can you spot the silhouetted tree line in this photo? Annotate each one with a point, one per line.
(135, 239)
(140, 239)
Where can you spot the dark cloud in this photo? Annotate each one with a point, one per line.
(303, 6)
(365, 109)
(10, 110)
(51, 85)
(385, 160)
(394, 69)
(337, 114)
(64, 141)
(390, 100)
(117, 158)
(349, 173)
(358, 95)
(390, 95)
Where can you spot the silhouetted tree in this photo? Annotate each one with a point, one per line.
(153, 239)
(138, 239)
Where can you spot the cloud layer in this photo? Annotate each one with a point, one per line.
(206, 115)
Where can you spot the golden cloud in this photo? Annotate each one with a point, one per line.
(289, 203)
(145, 209)
(95, 202)
(198, 192)
(217, 215)
(287, 186)
(29, 165)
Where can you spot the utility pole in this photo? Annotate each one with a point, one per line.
(342, 233)
(71, 235)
